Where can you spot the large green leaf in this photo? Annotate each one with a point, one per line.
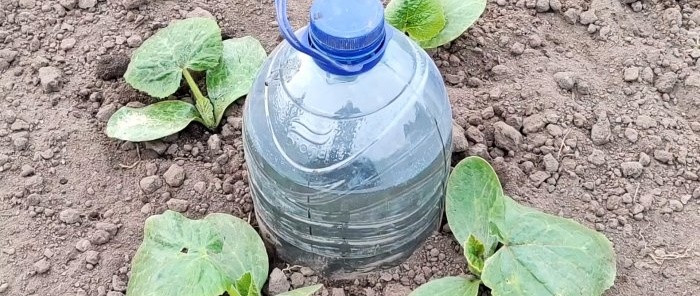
(186, 257)
(421, 19)
(459, 16)
(156, 67)
(151, 122)
(546, 255)
(235, 74)
(472, 189)
(305, 291)
(448, 286)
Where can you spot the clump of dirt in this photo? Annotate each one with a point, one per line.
(587, 109)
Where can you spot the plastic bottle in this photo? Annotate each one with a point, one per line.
(347, 133)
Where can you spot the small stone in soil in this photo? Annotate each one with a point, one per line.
(174, 176)
(99, 237)
(666, 82)
(600, 132)
(178, 205)
(200, 12)
(109, 227)
(134, 41)
(396, 290)
(571, 15)
(111, 67)
(533, 124)
(150, 184)
(42, 266)
(147, 209)
(69, 216)
(47, 154)
(686, 198)
(588, 17)
(157, 146)
(105, 112)
(338, 292)
(306, 271)
(214, 144)
(644, 159)
(632, 169)
(49, 77)
(565, 80)
(200, 187)
(83, 245)
(646, 200)
(542, 5)
(663, 156)
(27, 171)
(85, 4)
(92, 257)
(550, 163)
(67, 44)
(459, 141)
(631, 74)
(133, 4)
(517, 48)
(539, 177)
(507, 137)
(631, 134)
(675, 205)
(277, 284)
(297, 280)
(118, 284)
(645, 122)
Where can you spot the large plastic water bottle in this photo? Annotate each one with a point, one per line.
(347, 134)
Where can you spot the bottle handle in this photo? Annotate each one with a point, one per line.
(288, 33)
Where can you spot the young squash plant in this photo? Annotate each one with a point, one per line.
(433, 23)
(159, 64)
(515, 250)
(208, 257)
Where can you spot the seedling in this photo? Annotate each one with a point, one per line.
(433, 23)
(206, 257)
(515, 250)
(159, 64)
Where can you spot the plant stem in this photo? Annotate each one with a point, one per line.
(204, 106)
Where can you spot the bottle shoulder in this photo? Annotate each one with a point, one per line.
(404, 68)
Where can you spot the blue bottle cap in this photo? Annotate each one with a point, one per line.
(347, 29)
(345, 37)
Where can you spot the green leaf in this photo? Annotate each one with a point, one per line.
(180, 256)
(472, 189)
(151, 122)
(156, 67)
(203, 105)
(448, 286)
(475, 253)
(245, 286)
(305, 291)
(421, 19)
(459, 16)
(546, 255)
(234, 75)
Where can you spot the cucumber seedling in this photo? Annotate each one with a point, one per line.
(515, 250)
(159, 64)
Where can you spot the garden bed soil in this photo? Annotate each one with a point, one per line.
(601, 101)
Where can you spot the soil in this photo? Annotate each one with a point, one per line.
(587, 109)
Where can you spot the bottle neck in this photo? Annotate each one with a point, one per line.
(329, 52)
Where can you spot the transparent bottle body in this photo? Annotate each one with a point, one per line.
(348, 174)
